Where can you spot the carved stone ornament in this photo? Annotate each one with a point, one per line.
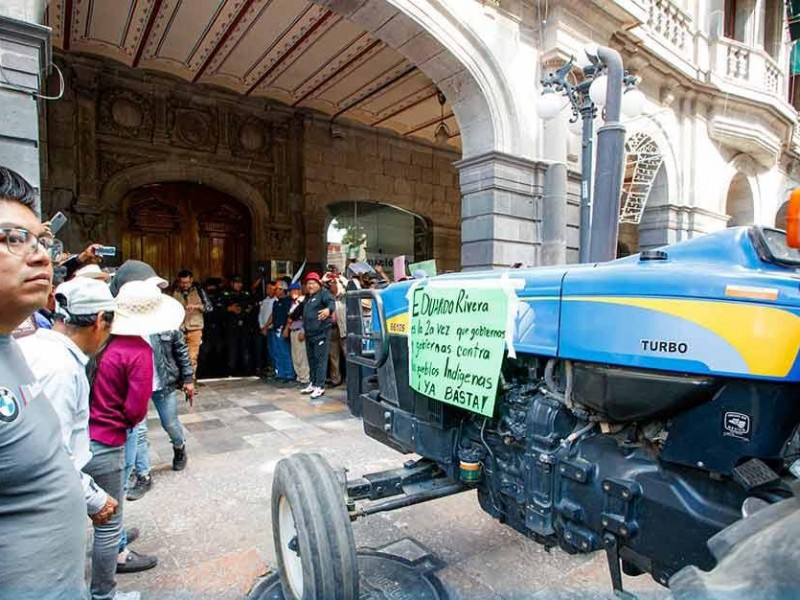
(250, 136)
(193, 128)
(126, 113)
(109, 163)
(279, 237)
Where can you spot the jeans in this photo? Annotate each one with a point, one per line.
(106, 468)
(281, 354)
(166, 403)
(137, 453)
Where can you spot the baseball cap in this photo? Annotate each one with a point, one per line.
(83, 296)
(135, 270)
(312, 276)
(283, 285)
(296, 286)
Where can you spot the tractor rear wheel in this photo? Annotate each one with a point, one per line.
(313, 538)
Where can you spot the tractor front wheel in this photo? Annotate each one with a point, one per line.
(311, 528)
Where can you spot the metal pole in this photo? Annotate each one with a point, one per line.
(610, 155)
(587, 114)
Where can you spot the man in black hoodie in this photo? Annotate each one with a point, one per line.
(317, 322)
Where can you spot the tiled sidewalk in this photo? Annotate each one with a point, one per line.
(210, 525)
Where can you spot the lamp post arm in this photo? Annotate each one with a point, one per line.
(610, 156)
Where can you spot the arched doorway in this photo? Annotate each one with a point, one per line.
(183, 225)
(739, 204)
(376, 233)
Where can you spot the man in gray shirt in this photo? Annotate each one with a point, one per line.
(42, 508)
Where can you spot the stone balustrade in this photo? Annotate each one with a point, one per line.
(671, 24)
(750, 67)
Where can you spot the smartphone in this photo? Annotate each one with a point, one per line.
(106, 251)
(57, 222)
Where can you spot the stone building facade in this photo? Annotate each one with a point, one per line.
(117, 133)
(718, 143)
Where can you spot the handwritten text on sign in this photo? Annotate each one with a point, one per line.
(456, 344)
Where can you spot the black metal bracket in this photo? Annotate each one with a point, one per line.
(615, 568)
(417, 481)
(375, 358)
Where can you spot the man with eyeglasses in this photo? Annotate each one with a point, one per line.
(42, 506)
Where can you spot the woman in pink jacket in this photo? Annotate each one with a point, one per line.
(121, 388)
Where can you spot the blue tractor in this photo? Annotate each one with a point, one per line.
(647, 407)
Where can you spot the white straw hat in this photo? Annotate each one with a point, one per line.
(143, 310)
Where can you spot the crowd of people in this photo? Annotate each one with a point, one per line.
(85, 351)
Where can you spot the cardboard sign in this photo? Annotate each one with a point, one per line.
(429, 266)
(399, 267)
(456, 344)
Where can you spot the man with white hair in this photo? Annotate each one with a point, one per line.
(58, 358)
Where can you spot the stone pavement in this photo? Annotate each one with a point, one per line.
(210, 525)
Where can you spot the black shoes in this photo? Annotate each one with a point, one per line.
(136, 562)
(179, 458)
(140, 488)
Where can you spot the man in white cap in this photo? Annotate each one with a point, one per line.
(92, 271)
(58, 358)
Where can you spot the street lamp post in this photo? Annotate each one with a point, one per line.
(582, 107)
(585, 97)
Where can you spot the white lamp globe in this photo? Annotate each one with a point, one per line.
(550, 104)
(598, 89)
(633, 102)
(575, 127)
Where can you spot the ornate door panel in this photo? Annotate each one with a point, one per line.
(175, 226)
(224, 241)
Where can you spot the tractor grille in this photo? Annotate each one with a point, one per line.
(435, 412)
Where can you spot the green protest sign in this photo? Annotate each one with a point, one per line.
(429, 266)
(456, 344)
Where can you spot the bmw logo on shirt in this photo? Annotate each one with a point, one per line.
(9, 406)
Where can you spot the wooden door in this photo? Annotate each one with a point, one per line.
(174, 226)
(224, 235)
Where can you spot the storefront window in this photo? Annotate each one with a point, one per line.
(375, 233)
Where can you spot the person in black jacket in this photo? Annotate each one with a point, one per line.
(317, 322)
(173, 370)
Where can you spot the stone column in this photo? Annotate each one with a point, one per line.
(25, 57)
(85, 84)
(500, 211)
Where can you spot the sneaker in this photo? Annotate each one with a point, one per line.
(140, 488)
(132, 534)
(318, 392)
(127, 596)
(309, 389)
(136, 562)
(179, 458)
